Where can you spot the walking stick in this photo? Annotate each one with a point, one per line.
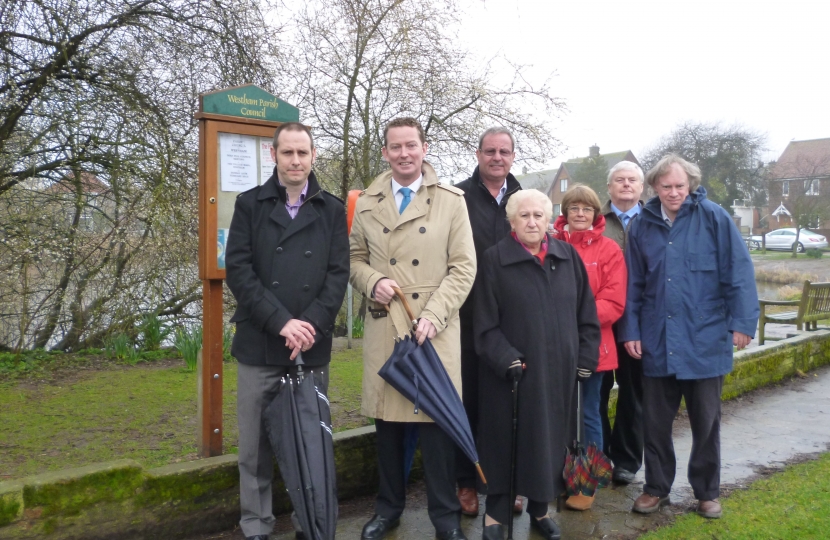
(513, 459)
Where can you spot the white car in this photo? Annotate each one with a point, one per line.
(783, 239)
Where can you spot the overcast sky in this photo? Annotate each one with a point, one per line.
(630, 71)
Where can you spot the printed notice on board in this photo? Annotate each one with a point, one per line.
(266, 164)
(237, 162)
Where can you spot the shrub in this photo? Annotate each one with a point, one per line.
(119, 346)
(814, 253)
(188, 343)
(788, 292)
(782, 276)
(153, 332)
(227, 341)
(357, 327)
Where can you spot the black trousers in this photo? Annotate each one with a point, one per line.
(661, 401)
(438, 456)
(465, 471)
(624, 443)
(499, 506)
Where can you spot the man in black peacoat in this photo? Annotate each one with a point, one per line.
(486, 193)
(287, 266)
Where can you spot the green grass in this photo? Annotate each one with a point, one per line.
(345, 389)
(53, 417)
(794, 504)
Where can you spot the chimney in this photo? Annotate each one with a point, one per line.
(593, 151)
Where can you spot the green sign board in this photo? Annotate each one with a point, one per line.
(249, 101)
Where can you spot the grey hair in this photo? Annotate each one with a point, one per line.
(497, 130)
(522, 195)
(663, 167)
(625, 166)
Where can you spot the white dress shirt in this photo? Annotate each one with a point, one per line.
(414, 186)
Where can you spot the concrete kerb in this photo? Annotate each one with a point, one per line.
(120, 499)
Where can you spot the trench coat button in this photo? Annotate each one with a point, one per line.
(381, 199)
(414, 296)
(422, 230)
(393, 262)
(306, 287)
(428, 200)
(308, 254)
(279, 250)
(385, 230)
(414, 262)
(275, 284)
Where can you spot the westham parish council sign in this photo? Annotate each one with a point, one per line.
(249, 101)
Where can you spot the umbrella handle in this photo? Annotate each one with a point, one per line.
(406, 307)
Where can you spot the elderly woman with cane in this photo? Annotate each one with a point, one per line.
(536, 330)
(582, 226)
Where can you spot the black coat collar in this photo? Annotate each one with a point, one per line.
(273, 189)
(512, 252)
(512, 183)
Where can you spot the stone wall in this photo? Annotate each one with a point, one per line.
(122, 500)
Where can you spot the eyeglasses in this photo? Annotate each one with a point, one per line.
(579, 209)
(490, 152)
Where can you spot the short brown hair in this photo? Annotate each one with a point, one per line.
(580, 193)
(663, 168)
(404, 121)
(293, 126)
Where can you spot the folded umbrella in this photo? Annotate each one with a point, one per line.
(417, 373)
(586, 468)
(298, 423)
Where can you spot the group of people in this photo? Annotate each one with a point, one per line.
(652, 296)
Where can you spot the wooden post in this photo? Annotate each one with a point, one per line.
(211, 372)
(246, 111)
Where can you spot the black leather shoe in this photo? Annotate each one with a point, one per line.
(299, 535)
(377, 527)
(547, 527)
(454, 534)
(621, 476)
(493, 532)
(257, 537)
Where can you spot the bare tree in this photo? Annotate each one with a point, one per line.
(729, 159)
(98, 157)
(360, 63)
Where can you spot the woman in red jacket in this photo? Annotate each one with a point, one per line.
(582, 226)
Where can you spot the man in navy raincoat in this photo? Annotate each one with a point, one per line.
(691, 298)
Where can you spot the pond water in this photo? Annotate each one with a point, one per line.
(769, 291)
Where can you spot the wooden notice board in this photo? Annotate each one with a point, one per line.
(236, 129)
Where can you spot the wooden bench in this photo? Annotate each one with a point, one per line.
(813, 307)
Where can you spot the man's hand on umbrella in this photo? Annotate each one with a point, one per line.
(740, 340)
(634, 349)
(299, 336)
(425, 330)
(383, 290)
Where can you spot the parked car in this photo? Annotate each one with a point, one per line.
(784, 239)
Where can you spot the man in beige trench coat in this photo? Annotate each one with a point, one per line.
(412, 231)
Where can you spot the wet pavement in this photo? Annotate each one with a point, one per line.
(761, 431)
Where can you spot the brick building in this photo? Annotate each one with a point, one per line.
(799, 185)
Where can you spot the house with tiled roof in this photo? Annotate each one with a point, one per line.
(799, 185)
(555, 182)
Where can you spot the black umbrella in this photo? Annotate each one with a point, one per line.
(418, 374)
(298, 422)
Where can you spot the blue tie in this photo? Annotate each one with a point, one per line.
(406, 198)
(625, 218)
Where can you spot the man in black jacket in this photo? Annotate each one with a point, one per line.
(287, 266)
(486, 193)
